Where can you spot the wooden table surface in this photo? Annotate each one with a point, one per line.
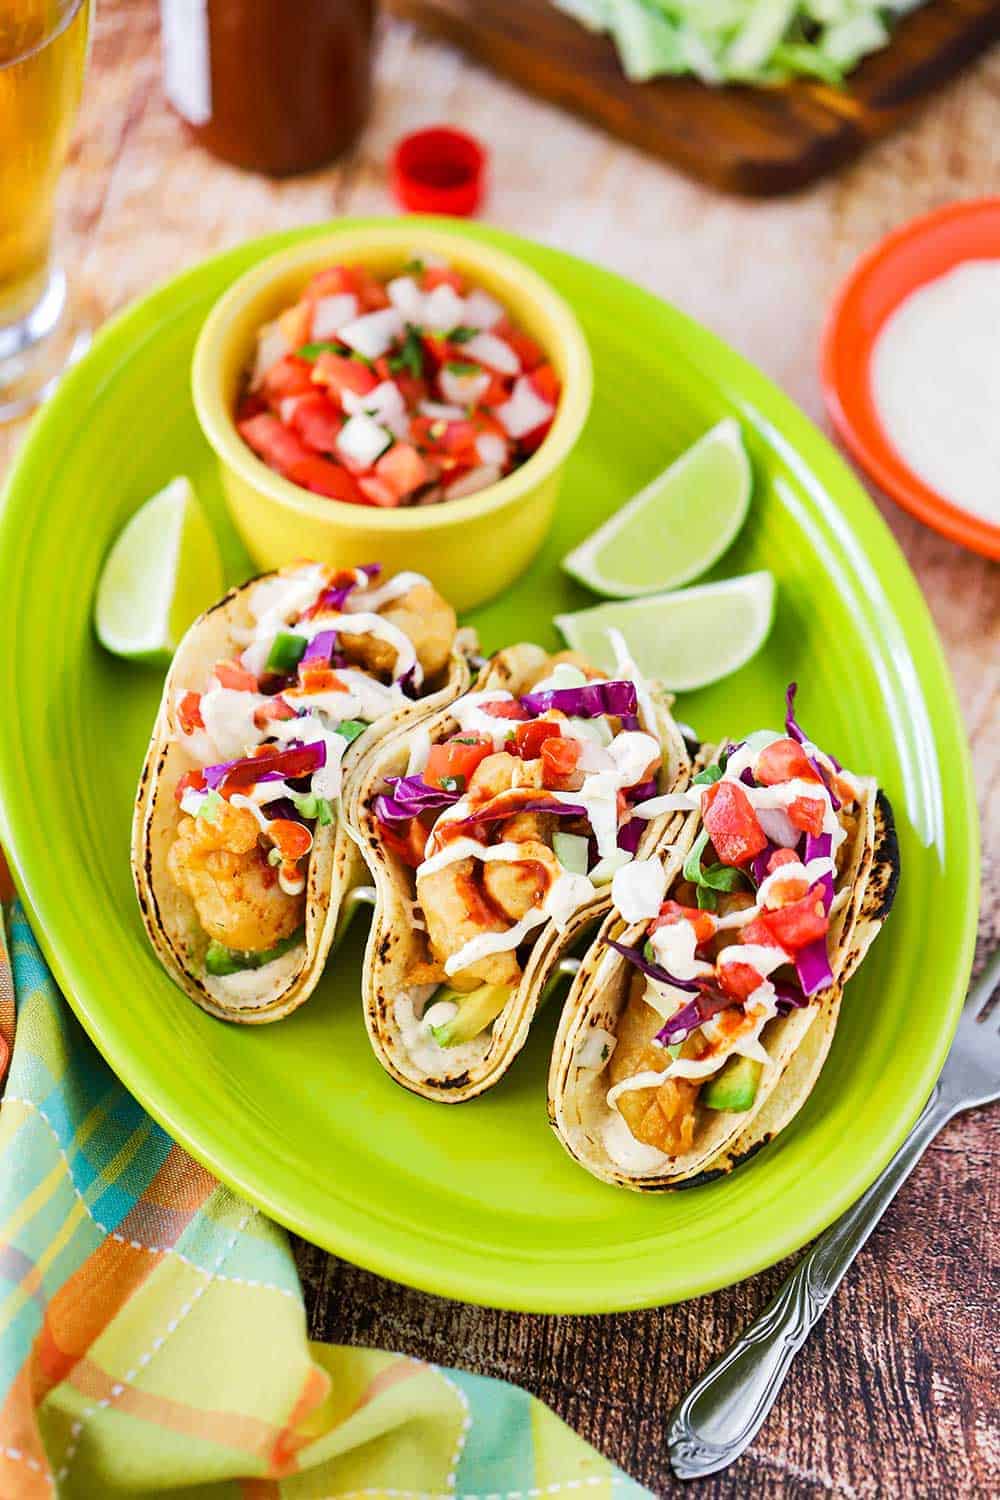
(892, 1396)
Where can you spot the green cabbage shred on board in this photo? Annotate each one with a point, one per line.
(741, 41)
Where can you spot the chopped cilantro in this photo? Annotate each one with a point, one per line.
(411, 356)
(351, 728)
(312, 352)
(461, 334)
(706, 777)
(453, 783)
(462, 367)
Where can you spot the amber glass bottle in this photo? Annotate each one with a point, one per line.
(275, 86)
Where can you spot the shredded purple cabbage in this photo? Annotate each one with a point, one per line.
(644, 790)
(406, 682)
(758, 865)
(652, 971)
(411, 796)
(215, 775)
(320, 648)
(588, 702)
(707, 1003)
(795, 731)
(812, 963)
(788, 997)
(630, 834)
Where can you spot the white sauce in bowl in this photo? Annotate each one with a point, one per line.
(935, 380)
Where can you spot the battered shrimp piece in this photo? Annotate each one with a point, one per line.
(501, 773)
(235, 891)
(421, 614)
(663, 1117)
(518, 886)
(456, 911)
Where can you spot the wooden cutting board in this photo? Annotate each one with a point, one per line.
(754, 141)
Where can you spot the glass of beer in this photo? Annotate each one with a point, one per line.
(43, 48)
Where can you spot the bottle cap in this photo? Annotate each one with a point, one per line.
(439, 171)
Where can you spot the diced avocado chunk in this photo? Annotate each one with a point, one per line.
(476, 1009)
(220, 960)
(735, 1086)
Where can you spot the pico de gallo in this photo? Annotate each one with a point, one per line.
(407, 390)
(264, 732)
(517, 819)
(741, 936)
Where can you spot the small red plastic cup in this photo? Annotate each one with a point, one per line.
(439, 171)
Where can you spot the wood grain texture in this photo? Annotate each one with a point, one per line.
(755, 141)
(895, 1395)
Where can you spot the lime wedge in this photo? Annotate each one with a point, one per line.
(162, 571)
(686, 639)
(675, 528)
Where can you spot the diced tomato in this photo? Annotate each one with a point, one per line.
(732, 823)
(195, 779)
(559, 759)
(528, 352)
(546, 383)
(331, 282)
(737, 979)
(402, 469)
(339, 373)
(505, 709)
(497, 392)
(455, 758)
(434, 276)
(457, 437)
(802, 922)
(781, 857)
(275, 443)
(529, 738)
(783, 760)
(317, 677)
(250, 405)
(274, 708)
(296, 323)
(369, 290)
(671, 911)
(807, 813)
(377, 492)
(406, 840)
(289, 376)
(189, 713)
(324, 477)
(412, 390)
(316, 420)
(291, 838)
(231, 675)
(757, 934)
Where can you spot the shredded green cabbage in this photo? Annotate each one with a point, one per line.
(743, 41)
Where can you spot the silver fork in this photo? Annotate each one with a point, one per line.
(723, 1411)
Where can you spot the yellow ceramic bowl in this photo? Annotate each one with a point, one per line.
(471, 548)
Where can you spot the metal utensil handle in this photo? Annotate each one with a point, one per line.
(723, 1411)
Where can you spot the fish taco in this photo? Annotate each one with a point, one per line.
(703, 1013)
(274, 699)
(493, 831)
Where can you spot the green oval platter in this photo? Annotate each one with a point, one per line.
(480, 1202)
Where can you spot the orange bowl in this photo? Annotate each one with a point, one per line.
(918, 252)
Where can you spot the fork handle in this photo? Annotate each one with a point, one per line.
(722, 1413)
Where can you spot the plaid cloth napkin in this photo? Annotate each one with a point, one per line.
(152, 1328)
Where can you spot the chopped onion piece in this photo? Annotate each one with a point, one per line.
(495, 353)
(407, 298)
(385, 403)
(491, 448)
(472, 482)
(330, 314)
(444, 308)
(525, 410)
(373, 334)
(481, 310)
(441, 411)
(362, 440)
(463, 389)
(271, 346)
